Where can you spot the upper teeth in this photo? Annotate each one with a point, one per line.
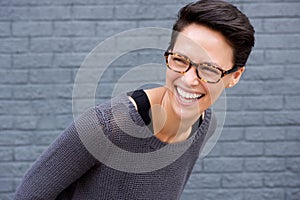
(188, 95)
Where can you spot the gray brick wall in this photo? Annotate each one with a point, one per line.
(43, 43)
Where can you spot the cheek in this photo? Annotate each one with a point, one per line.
(214, 91)
(171, 77)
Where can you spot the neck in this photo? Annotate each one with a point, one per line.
(167, 126)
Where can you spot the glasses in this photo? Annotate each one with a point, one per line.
(207, 72)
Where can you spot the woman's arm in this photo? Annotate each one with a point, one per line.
(60, 165)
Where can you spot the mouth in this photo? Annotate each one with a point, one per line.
(187, 97)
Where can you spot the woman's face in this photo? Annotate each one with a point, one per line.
(189, 95)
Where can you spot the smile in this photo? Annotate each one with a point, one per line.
(188, 97)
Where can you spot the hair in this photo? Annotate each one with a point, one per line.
(222, 17)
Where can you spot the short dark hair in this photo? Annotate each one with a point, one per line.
(222, 17)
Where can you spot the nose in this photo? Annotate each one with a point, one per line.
(191, 76)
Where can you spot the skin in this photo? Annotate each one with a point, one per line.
(173, 117)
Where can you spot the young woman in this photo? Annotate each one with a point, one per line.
(144, 144)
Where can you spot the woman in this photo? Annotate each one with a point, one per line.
(210, 44)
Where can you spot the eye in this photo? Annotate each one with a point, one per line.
(179, 60)
(209, 69)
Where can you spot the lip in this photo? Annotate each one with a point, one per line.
(187, 101)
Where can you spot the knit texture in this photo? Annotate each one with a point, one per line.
(69, 169)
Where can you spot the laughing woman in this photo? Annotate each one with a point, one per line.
(151, 138)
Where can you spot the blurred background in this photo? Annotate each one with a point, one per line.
(44, 42)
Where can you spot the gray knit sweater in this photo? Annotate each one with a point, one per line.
(73, 168)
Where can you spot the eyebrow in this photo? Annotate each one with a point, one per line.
(212, 63)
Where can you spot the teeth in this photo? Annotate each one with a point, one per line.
(187, 95)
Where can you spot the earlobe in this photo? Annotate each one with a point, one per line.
(235, 77)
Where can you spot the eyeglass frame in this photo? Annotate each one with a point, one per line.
(191, 63)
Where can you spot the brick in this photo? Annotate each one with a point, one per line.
(107, 29)
(32, 28)
(153, 2)
(242, 149)
(13, 13)
(204, 181)
(275, 41)
(92, 12)
(157, 23)
(234, 103)
(198, 167)
(6, 92)
(256, 57)
(282, 180)
(215, 152)
(86, 44)
(285, 25)
(213, 194)
(36, 60)
(266, 194)
(50, 76)
(44, 137)
(50, 45)
(282, 56)
(282, 148)
(128, 61)
(292, 133)
(243, 119)
(139, 42)
(68, 59)
(245, 88)
(5, 61)
(16, 169)
(223, 165)
(26, 3)
(285, 118)
(33, 92)
(265, 73)
(15, 107)
(25, 122)
(232, 134)
(293, 194)
(292, 72)
(46, 122)
(63, 91)
(74, 28)
(264, 134)
(13, 45)
(64, 121)
(6, 154)
(292, 102)
(263, 164)
(7, 196)
(5, 29)
(146, 12)
(49, 13)
(263, 103)
(283, 87)
(79, 2)
(56, 106)
(106, 90)
(258, 25)
(6, 122)
(237, 180)
(14, 76)
(272, 10)
(28, 153)
(293, 164)
(14, 137)
(7, 185)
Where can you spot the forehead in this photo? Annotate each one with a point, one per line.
(202, 44)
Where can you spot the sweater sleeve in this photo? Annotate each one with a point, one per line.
(59, 166)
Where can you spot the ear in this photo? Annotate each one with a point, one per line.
(235, 77)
